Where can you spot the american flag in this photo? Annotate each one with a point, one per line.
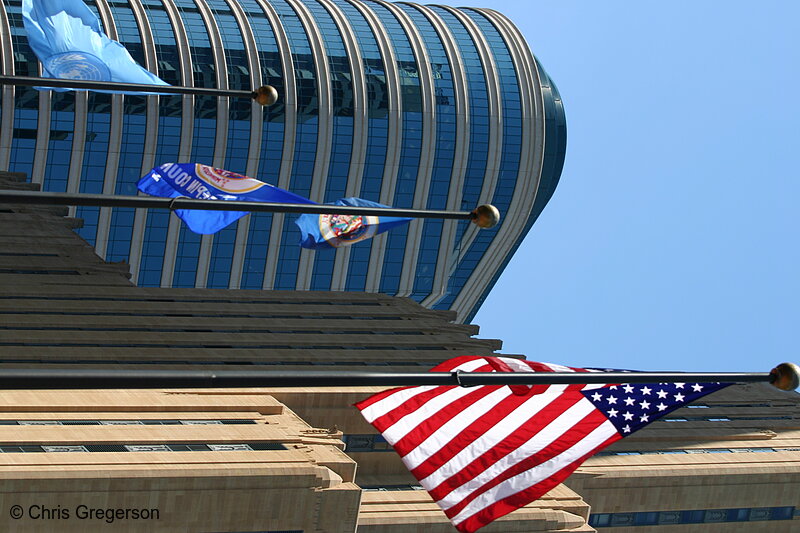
(482, 452)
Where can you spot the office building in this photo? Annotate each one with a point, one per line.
(412, 106)
(210, 460)
(230, 460)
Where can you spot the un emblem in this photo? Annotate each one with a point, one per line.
(341, 230)
(77, 66)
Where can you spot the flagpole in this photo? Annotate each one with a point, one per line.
(265, 95)
(785, 377)
(484, 216)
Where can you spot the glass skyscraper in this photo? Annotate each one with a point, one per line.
(427, 107)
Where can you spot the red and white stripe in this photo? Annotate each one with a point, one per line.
(482, 452)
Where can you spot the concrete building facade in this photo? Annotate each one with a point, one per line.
(411, 106)
(729, 462)
(208, 460)
(303, 459)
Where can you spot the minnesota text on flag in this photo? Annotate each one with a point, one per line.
(332, 230)
(482, 452)
(69, 41)
(202, 182)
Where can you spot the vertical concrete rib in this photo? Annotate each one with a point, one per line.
(395, 139)
(495, 127)
(256, 125)
(150, 134)
(460, 156)
(221, 134)
(529, 173)
(187, 129)
(81, 115)
(114, 142)
(360, 111)
(42, 134)
(289, 133)
(324, 132)
(428, 147)
(7, 121)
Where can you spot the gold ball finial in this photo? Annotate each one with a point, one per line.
(266, 95)
(485, 216)
(786, 376)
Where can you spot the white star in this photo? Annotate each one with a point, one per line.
(612, 413)
(628, 389)
(629, 401)
(679, 397)
(679, 385)
(597, 396)
(626, 429)
(612, 399)
(661, 406)
(697, 387)
(644, 418)
(646, 390)
(662, 394)
(627, 416)
(613, 387)
(645, 405)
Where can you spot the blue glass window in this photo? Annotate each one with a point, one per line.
(238, 70)
(219, 269)
(129, 168)
(411, 147)
(341, 81)
(442, 167)
(305, 148)
(475, 172)
(168, 141)
(270, 156)
(95, 153)
(26, 99)
(377, 134)
(510, 155)
(256, 251)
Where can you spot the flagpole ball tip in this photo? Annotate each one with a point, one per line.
(485, 216)
(786, 376)
(266, 95)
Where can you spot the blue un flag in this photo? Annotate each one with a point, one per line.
(69, 41)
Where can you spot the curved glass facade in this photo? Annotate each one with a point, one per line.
(409, 104)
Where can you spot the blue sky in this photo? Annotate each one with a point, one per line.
(671, 241)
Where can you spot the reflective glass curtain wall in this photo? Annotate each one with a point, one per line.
(388, 133)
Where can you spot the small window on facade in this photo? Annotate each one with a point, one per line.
(147, 448)
(229, 447)
(60, 449)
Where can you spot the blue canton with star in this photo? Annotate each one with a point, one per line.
(631, 406)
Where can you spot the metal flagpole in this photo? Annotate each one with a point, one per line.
(785, 376)
(484, 216)
(265, 95)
